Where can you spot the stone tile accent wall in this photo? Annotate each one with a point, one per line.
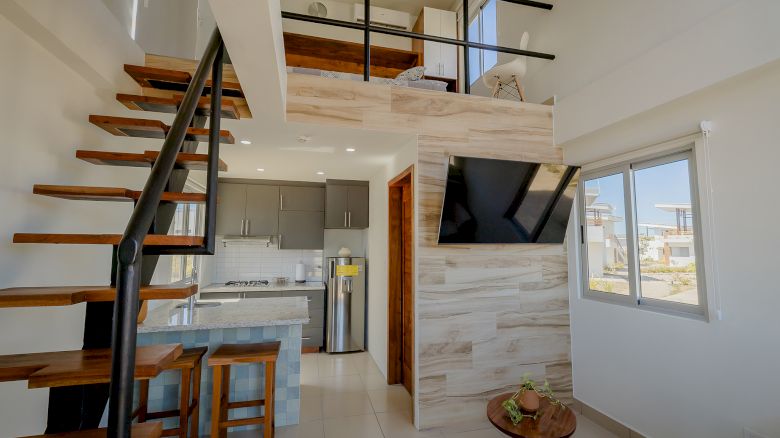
(485, 314)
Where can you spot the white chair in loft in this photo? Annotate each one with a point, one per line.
(507, 77)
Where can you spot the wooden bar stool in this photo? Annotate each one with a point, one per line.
(189, 363)
(241, 354)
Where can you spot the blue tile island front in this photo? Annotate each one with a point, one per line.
(232, 321)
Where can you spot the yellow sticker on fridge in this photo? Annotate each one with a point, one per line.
(347, 270)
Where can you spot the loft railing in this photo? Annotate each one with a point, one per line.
(130, 250)
(367, 28)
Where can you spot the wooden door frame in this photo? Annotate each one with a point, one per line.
(395, 275)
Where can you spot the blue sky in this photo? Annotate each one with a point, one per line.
(665, 184)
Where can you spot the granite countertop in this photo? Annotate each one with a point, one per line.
(309, 285)
(255, 312)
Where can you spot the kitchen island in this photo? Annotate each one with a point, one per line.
(313, 291)
(223, 322)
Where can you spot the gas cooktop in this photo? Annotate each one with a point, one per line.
(253, 283)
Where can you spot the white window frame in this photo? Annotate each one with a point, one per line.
(199, 211)
(481, 37)
(690, 148)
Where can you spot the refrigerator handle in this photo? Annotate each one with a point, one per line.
(347, 285)
(332, 269)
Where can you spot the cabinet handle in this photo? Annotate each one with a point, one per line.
(306, 338)
(247, 227)
(308, 300)
(243, 224)
(281, 202)
(280, 241)
(345, 219)
(350, 219)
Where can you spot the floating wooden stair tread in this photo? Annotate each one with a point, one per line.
(69, 295)
(111, 194)
(145, 128)
(174, 80)
(146, 159)
(171, 105)
(106, 239)
(141, 430)
(82, 367)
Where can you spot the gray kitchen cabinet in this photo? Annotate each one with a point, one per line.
(231, 209)
(346, 205)
(293, 198)
(357, 207)
(262, 210)
(301, 230)
(336, 206)
(313, 333)
(247, 209)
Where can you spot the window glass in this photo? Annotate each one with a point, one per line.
(606, 235)
(489, 34)
(667, 258)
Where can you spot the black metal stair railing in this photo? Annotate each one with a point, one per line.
(131, 250)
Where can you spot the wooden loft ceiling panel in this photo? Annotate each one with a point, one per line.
(343, 56)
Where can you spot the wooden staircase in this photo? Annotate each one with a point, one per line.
(162, 92)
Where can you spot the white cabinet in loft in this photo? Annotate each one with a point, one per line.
(440, 60)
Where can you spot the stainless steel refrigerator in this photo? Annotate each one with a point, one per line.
(346, 311)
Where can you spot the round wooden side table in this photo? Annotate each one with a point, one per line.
(555, 421)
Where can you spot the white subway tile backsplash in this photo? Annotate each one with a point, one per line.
(253, 261)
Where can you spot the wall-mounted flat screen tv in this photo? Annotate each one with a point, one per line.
(500, 201)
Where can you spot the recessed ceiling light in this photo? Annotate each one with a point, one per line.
(319, 172)
(260, 169)
(351, 149)
(246, 141)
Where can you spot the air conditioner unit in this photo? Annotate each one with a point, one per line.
(383, 17)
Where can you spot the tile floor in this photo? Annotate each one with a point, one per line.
(345, 396)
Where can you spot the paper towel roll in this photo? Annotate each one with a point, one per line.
(300, 272)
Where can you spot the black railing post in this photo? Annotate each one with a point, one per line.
(212, 170)
(367, 40)
(129, 254)
(466, 66)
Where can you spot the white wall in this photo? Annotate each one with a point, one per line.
(44, 120)
(377, 252)
(165, 27)
(670, 377)
(626, 57)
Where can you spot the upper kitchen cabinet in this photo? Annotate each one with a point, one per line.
(440, 60)
(231, 209)
(301, 229)
(293, 198)
(301, 217)
(346, 204)
(262, 210)
(247, 209)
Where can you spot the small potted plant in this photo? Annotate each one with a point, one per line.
(525, 402)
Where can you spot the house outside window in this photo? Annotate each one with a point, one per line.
(641, 240)
(483, 29)
(187, 221)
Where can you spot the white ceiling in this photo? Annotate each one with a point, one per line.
(283, 156)
(252, 33)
